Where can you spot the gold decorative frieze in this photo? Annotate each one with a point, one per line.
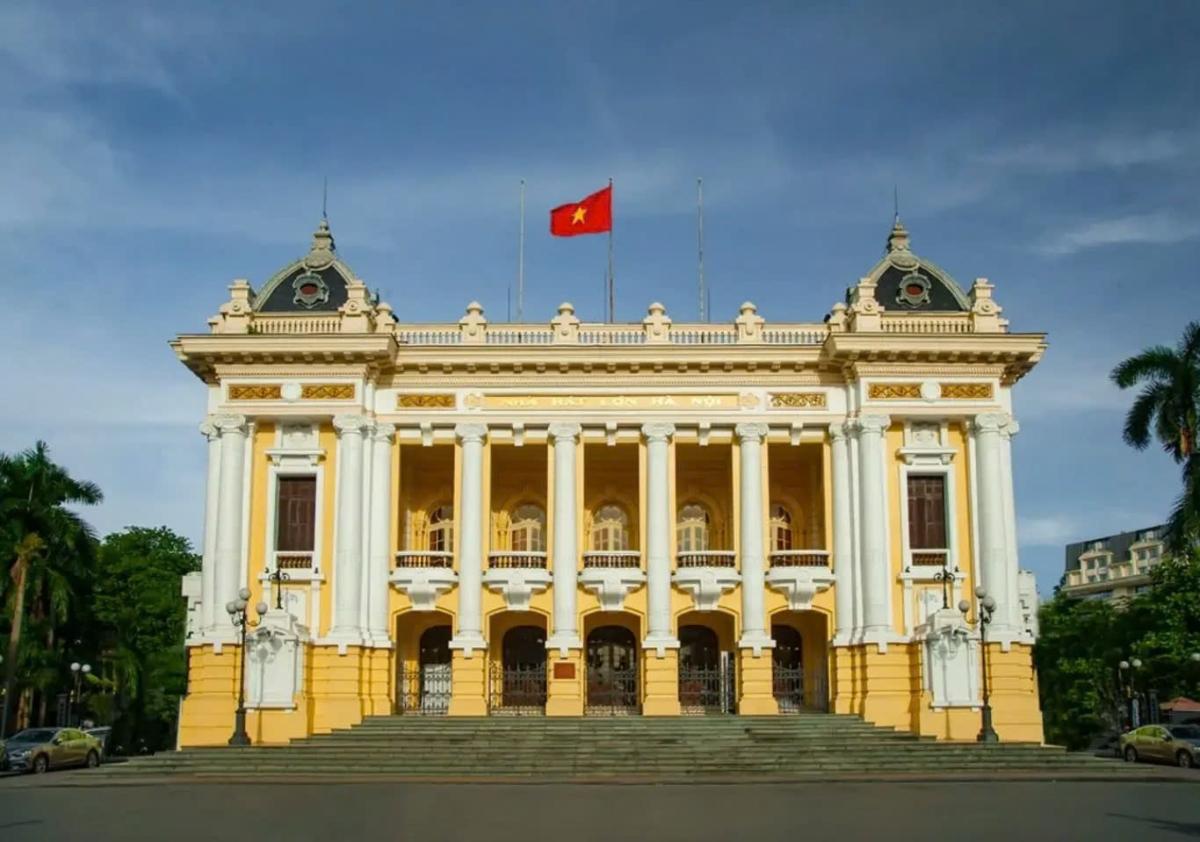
(797, 400)
(609, 402)
(291, 391)
(894, 391)
(327, 392)
(255, 392)
(425, 401)
(967, 391)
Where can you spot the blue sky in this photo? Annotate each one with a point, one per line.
(153, 152)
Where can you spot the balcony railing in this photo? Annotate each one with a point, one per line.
(707, 558)
(424, 558)
(516, 560)
(291, 560)
(612, 559)
(929, 558)
(799, 558)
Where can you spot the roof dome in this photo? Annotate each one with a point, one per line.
(315, 283)
(908, 282)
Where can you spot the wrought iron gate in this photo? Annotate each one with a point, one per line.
(612, 692)
(788, 684)
(518, 690)
(423, 689)
(704, 689)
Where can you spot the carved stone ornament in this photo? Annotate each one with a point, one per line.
(611, 584)
(517, 585)
(894, 391)
(442, 401)
(797, 400)
(706, 584)
(914, 290)
(310, 290)
(967, 391)
(327, 391)
(255, 392)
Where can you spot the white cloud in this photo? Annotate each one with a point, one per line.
(1083, 151)
(1047, 530)
(1157, 228)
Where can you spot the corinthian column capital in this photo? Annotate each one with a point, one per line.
(354, 424)
(383, 432)
(658, 430)
(876, 424)
(751, 432)
(992, 422)
(230, 422)
(564, 430)
(467, 433)
(209, 428)
(838, 431)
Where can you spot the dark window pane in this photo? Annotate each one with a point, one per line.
(927, 512)
(295, 526)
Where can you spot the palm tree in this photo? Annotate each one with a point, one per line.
(1168, 408)
(44, 538)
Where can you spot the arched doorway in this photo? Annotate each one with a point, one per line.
(705, 672)
(787, 666)
(612, 672)
(433, 661)
(520, 686)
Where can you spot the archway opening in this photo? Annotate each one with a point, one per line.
(612, 672)
(518, 681)
(422, 661)
(706, 676)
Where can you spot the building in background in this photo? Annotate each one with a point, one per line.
(1113, 568)
(572, 519)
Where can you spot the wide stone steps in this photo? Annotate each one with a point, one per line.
(535, 748)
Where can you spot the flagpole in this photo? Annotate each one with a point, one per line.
(521, 260)
(700, 248)
(611, 302)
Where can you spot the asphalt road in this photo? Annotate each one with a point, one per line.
(428, 812)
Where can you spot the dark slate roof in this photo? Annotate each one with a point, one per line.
(281, 295)
(932, 288)
(1118, 545)
(282, 299)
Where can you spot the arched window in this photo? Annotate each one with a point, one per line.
(610, 529)
(528, 531)
(781, 528)
(441, 529)
(691, 533)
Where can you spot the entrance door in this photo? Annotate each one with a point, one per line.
(434, 659)
(787, 665)
(612, 674)
(519, 684)
(705, 672)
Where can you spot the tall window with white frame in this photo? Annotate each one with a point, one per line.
(781, 528)
(527, 533)
(927, 541)
(610, 529)
(295, 522)
(692, 530)
(440, 535)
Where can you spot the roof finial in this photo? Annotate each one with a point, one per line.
(898, 238)
(895, 204)
(325, 200)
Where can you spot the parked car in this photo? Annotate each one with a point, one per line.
(1178, 744)
(42, 749)
(103, 734)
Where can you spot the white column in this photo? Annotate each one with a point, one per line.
(659, 634)
(209, 610)
(993, 536)
(470, 537)
(877, 624)
(348, 561)
(227, 557)
(753, 562)
(565, 634)
(381, 534)
(843, 547)
(1013, 568)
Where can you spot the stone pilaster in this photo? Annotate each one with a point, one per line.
(877, 624)
(993, 536)
(565, 557)
(469, 635)
(381, 509)
(348, 562)
(208, 565)
(227, 558)
(660, 635)
(843, 541)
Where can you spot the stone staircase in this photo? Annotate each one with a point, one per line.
(822, 746)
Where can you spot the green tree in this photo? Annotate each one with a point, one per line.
(1168, 409)
(137, 605)
(49, 545)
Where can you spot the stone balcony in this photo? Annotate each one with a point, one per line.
(518, 575)
(706, 574)
(800, 575)
(612, 575)
(424, 575)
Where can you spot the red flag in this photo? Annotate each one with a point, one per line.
(592, 215)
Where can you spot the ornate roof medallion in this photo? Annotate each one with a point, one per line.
(310, 290)
(914, 290)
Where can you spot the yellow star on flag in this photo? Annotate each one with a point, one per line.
(577, 217)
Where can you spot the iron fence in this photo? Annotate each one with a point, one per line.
(612, 692)
(423, 689)
(518, 690)
(705, 690)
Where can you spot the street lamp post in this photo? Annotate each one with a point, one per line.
(985, 609)
(238, 615)
(73, 701)
(945, 576)
(1131, 666)
(277, 577)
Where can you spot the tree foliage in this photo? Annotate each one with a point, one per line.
(1082, 642)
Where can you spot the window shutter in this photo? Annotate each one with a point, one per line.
(296, 514)
(927, 512)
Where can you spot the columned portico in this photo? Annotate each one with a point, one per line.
(876, 627)
(380, 535)
(756, 675)
(993, 534)
(228, 555)
(469, 634)
(565, 557)
(212, 498)
(349, 560)
(662, 677)
(843, 542)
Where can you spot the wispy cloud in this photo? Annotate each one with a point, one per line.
(1054, 530)
(1085, 151)
(1156, 228)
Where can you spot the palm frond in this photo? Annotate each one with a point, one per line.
(1148, 405)
(1156, 363)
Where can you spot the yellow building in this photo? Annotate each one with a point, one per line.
(593, 519)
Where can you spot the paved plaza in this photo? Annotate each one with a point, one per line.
(47, 810)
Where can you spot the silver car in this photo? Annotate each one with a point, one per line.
(1178, 744)
(42, 749)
